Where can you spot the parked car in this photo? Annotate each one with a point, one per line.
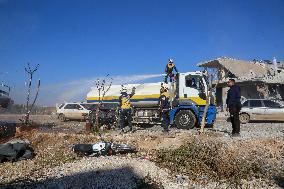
(73, 111)
(261, 109)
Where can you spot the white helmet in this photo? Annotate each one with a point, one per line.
(171, 60)
(123, 89)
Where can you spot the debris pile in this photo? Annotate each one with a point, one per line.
(16, 150)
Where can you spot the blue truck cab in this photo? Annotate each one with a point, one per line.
(189, 100)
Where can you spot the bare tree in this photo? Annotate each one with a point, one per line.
(103, 87)
(30, 71)
(209, 95)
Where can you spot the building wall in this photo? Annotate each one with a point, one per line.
(248, 90)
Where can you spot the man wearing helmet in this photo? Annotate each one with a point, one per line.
(169, 70)
(125, 108)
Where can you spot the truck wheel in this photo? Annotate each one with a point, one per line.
(185, 119)
(244, 118)
(61, 117)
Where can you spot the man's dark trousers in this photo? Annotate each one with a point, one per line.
(235, 118)
(125, 113)
(166, 119)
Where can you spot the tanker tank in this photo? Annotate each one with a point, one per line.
(146, 95)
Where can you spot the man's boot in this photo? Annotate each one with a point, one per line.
(236, 135)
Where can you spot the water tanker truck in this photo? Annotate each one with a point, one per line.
(187, 97)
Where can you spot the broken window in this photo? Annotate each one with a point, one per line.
(255, 103)
(193, 81)
(61, 105)
(245, 104)
(78, 107)
(271, 104)
(71, 106)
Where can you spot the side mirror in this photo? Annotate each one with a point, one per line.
(202, 95)
(80, 108)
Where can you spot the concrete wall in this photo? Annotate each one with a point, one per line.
(248, 90)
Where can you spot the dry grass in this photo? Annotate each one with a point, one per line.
(211, 160)
(51, 150)
(203, 159)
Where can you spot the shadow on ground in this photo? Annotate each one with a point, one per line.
(123, 177)
(279, 181)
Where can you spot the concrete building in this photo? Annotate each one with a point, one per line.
(257, 79)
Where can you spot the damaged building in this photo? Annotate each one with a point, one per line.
(257, 79)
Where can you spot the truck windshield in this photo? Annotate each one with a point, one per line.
(194, 81)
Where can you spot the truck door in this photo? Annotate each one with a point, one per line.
(190, 87)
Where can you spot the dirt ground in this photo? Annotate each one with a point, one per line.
(53, 141)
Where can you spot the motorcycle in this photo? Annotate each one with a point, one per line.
(102, 148)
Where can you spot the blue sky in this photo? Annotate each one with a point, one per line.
(76, 41)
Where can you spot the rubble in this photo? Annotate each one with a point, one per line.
(257, 79)
(16, 150)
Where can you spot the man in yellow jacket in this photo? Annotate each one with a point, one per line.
(125, 108)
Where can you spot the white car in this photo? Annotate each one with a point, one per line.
(261, 110)
(77, 111)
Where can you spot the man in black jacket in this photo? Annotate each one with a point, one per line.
(164, 107)
(234, 106)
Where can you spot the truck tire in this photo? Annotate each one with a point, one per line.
(185, 119)
(61, 117)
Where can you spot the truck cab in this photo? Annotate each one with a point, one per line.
(191, 87)
(191, 90)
